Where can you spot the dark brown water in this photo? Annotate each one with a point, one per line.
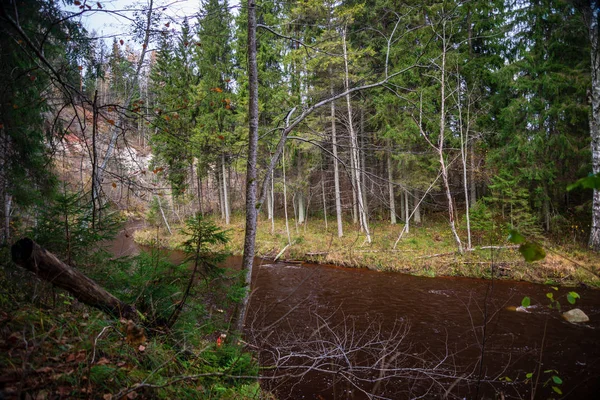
(439, 323)
(346, 333)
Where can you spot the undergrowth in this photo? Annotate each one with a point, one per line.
(52, 346)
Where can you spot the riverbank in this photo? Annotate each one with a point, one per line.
(426, 250)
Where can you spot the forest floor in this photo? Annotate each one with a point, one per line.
(427, 250)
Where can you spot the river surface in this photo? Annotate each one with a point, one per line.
(346, 333)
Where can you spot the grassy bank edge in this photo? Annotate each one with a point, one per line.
(427, 250)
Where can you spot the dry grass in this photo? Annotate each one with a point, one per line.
(428, 250)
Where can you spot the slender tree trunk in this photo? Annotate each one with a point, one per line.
(441, 145)
(473, 186)
(353, 184)
(219, 179)
(417, 209)
(390, 172)
(402, 207)
(301, 208)
(199, 187)
(95, 181)
(4, 186)
(336, 169)
(251, 175)
(163, 215)
(285, 210)
(354, 151)
(225, 194)
(324, 198)
(407, 210)
(272, 198)
(464, 143)
(269, 206)
(363, 164)
(594, 31)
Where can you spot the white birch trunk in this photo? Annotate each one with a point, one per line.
(285, 211)
(336, 170)
(464, 128)
(473, 187)
(406, 210)
(272, 198)
(163, 215)
(225, 193)
(355, 156)
(301, 208)
(219, 182)
(417, 209)
(391, 185)
(324, 199)
(444, 170)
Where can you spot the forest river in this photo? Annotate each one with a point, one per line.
(348, 333)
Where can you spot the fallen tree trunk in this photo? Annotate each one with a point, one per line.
(31, 256)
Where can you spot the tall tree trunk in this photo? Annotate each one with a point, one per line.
(301, 208)
(218, 178)
(4, 186)
(594, 32)
(390, 172)
(353, 185)
(473, 186)
(162, 213)
(407, 210)
(336, 169)
(354, 150)
(251, 175)
(363, 164)
(285, 210)
(272, 198)
(225, 194)
(200, 195)
(417, 209)
(464, 129)
(324, 197)
(441, 143)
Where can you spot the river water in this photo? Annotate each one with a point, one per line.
(439, 323)
(346, 333)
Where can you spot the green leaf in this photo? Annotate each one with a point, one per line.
(557, 389)
(554, 287)
(526, 301)
(515, 237)
(529, 375)
(589, 182)
(572, 297)
(550, 296)
(557, 380)
(532, 252)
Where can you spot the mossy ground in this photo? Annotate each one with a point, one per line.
(54, 347)
(427, 250)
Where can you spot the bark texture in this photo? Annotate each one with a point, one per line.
(594, 31)
(251, 184)
(31, 256)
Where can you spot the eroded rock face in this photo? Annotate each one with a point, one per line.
(575, 316)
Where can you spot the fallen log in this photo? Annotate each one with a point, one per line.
(31, 256)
